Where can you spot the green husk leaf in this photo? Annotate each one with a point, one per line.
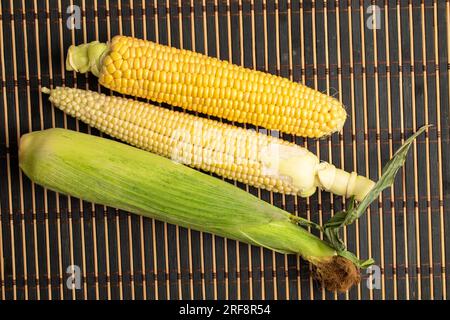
(339, 218)
(333, 237)
(387, 178)
(346, 217)
(86, 57)
(362, 264)
(305, 223)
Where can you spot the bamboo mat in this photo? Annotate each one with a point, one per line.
(392, 80)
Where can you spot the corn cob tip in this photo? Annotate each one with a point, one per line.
(86, 57)
(23, 144)
(46, 90)
(336, 274)
(27, 149)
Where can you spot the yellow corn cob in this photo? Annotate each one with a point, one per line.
(200, 83)
(235, 153)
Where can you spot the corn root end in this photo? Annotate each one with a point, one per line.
(336, 274)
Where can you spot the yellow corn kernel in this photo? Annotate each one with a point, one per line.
(115, 55)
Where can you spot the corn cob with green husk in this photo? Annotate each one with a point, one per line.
(235, 153)
(200, 83)
(114, 174)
